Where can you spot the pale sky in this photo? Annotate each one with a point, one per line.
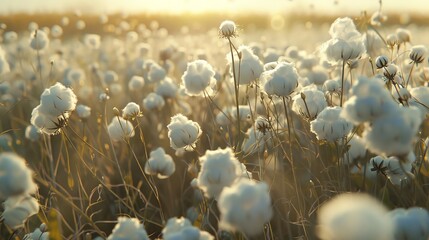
(228, 6)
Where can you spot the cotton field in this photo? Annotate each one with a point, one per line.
(134, 132)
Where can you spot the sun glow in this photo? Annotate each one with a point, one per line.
(202, 6)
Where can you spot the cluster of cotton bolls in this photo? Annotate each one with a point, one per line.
(238, 138)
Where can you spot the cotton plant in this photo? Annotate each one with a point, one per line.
(344, 217)
(167, 88)
(309, 102)
(156, 73)
(330, 126)
(120, 129)
(39, 40)
(280, 81)
(131, 111)
(246, 207)
(198, 78)
(83, 111)
(183, 133)
(219, 169)
(346, 42)
(248, 67)
(182, 229)
(128, 228)
(153, 101)
(56, 104)
(160, 164)
(136, 83)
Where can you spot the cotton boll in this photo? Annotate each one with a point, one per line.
(38, 234)
(47, 124)
(103, 97)
(10, 37)
(227, 29)
(260, 137)
(167, 88)
(271, 55)
(83, 111)
(160, 164)
(377, 18)
(56, 31)
(343, 28)
(128, 228)
(420, 99)
(182, 132)
(317, 76)
(343, 50)
(412, 223)
(381, 61)
(182, 229)
(398, 171)
(330, 126)
(403, 35)
(245, 206)
(219, 169)
(39, 40)
(15, 177)
(92, 41)
(131, 111)
(369, 101)
(393, 134)
(120, 129)
(153, 101)
(136, 83)
(110, 77)
(249, 68)
(18, 209)
(281, 81)
(346, 42)
(115, 89)
(32, 133)
(156, 73)
(331, 86)
(307, 62)
(391, 40)
(74, 77)
(57, 100)
(198, 78)
(310, 102)
(418, 54)
(354, 216)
